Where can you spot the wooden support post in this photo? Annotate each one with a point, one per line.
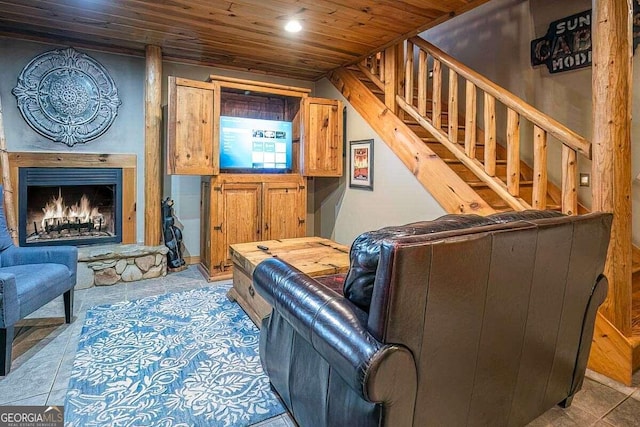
(9, 199)
(611, 165)
(152, 146)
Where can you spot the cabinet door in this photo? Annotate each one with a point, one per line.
(321, 137)
(236, 219)
(190, 129)
(284, 214)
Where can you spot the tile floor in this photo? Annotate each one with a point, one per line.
(44, 349)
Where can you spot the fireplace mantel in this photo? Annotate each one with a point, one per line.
(127, 162)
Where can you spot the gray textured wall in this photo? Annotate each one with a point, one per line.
(126, 134)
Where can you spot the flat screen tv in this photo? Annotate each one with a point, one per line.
(254, 145)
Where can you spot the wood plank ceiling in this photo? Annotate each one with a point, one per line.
(238, 34)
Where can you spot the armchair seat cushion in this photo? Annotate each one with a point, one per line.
(39, 282)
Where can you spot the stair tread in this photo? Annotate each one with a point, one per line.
(429, 140)
(477, 184)
(449, 160)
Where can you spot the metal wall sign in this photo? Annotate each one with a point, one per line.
(67, 96)
(567, 44)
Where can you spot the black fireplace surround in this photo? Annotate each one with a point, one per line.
(102, 187)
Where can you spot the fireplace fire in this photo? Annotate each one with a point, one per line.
(62, 221)
(77, 206)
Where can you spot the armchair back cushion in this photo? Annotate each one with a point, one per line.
(5, 237)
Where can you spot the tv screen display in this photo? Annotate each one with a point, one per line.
(255, 145)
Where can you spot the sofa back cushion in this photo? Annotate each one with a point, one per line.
(494, 313)
(365, 250)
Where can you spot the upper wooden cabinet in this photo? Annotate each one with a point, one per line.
(193, 146)
(320, 137)
(191, 128)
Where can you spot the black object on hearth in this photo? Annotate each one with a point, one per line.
(172, 236)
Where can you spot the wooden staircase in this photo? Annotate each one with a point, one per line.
(400, 92)
(553, 201)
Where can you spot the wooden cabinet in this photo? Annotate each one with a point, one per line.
(320, 132)
(191, 128)
(239, 208)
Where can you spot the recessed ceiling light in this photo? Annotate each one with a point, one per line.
(293, 26)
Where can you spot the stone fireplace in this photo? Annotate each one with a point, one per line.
(69, 206)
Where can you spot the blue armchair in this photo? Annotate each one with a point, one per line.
(30, 278)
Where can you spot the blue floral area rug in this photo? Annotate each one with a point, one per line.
(175, 360)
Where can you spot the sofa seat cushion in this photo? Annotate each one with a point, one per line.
(335, 282)
(36, 283)
(365, 250)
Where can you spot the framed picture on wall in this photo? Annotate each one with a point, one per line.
(361, 164)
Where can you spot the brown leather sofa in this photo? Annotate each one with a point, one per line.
(460, 321)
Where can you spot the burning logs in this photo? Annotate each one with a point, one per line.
(57, 225)
(61, 221)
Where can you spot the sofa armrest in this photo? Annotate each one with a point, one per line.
(336, 329)
(67, 255)
(9, 307)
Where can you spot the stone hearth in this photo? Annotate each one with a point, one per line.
(112, 264)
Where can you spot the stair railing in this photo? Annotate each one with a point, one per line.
(423, 88)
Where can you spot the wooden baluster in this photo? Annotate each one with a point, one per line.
(393, 76)
(489, 134)
(453, 106)
(381, 66)
(422, 83)
(408, 73)
(569, 181)
(470, 126)
(437, 94)
(539, 196)
(513, 152)
(374, 64)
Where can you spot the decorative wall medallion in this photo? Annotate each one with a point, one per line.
(67, 96)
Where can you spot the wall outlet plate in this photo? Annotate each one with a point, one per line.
(585, 180)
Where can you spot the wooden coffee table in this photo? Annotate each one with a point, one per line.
(314, 256)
